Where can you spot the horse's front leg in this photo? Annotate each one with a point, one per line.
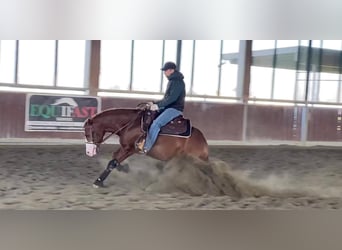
(118, 157)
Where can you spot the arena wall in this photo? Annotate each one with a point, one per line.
(218, 121)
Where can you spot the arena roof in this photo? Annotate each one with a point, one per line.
(287, 58)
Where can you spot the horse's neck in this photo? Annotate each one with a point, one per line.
(117, 118)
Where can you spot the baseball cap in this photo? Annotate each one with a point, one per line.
(169, 65)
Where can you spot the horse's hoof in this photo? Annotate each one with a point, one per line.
(98, 184)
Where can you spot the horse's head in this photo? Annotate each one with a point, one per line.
(93, 135)
(113, 121)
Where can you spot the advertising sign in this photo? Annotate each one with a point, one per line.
(59, 113)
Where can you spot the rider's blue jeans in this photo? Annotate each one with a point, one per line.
(166, 116)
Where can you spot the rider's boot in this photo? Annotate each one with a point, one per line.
(140, 145)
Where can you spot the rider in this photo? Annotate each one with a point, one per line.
(171, 106)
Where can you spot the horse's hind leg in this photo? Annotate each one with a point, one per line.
(118, 157)
(197, 145)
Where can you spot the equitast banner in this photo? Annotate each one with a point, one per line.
(59, 113)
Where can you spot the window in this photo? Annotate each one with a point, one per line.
(147, 61)
(285, 69)
(330, 71)
(229, 71)
(115, 71)
(301, 74)
(187, 64)
(170, 54)
(206, 67)
(7, 61)
(262, 69)
(283, 73)
(36, 62)
(71, 63)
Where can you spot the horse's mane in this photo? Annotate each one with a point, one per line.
(116, 111)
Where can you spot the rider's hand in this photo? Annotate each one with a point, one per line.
(154, 107)
(150, 104)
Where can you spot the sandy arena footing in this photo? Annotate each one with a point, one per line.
(237, 177)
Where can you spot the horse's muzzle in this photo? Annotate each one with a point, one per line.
(91, 149)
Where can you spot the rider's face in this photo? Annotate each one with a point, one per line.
(168, 72)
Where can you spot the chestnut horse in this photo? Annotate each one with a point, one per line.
(126, 124)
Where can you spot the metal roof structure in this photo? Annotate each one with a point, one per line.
(325, 60)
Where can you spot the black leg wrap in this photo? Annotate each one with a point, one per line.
(98, 183)
(111, 165)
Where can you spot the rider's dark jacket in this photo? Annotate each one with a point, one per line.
(175, 93)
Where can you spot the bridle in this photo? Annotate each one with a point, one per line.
(91, 139)
(93, 147)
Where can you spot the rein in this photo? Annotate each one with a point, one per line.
(115, 132)
(111, 133)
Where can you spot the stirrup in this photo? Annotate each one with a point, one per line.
(140, 146)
